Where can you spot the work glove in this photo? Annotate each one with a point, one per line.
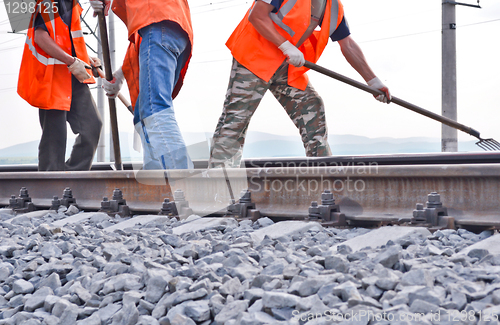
(376, 83)
(295, 57)
(98, 5)
(95, 62)
(113, 87)
(78, 70)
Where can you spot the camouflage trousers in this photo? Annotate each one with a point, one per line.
(244, 93)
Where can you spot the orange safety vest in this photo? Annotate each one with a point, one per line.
(45, 82)
(137, 14)
(293, 18)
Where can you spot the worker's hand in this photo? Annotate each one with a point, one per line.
(78, 70)
(113, 87)
(295, 57)
(95, 62)
(98, 5)
(376, 83)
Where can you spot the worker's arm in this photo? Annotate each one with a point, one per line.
(49, 46)
(259, 18)
(354, 55)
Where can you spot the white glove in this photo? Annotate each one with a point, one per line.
(295, 57)
(113, 87)
(77, 68)
(98, 5)
(95, 62)
(376, 83)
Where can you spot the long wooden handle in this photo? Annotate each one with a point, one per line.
(394, 100)
(112, 104)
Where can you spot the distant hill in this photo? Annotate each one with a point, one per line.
(26, 149)
(27, 153)
(258, 145)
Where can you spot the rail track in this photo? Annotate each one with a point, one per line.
(436, 190)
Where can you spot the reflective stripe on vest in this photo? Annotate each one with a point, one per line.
(318, 8)
(76, 33)
(49, 60)
(334, 13)
(277, 17)
(42, 59)
(44, 81)
(263, 58)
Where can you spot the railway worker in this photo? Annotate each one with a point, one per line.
(53, 77)
(161, 39)
(269, 47)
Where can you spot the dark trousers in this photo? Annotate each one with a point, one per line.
(84, 120)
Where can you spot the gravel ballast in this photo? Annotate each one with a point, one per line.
(71, 267)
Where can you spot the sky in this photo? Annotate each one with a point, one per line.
(401, 40)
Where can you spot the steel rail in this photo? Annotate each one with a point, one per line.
(470, 191)
(440, 158)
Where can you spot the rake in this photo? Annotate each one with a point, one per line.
(485, 144)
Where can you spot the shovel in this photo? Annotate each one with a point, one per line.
(485, 144)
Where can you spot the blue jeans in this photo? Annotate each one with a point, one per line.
(164, 50)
